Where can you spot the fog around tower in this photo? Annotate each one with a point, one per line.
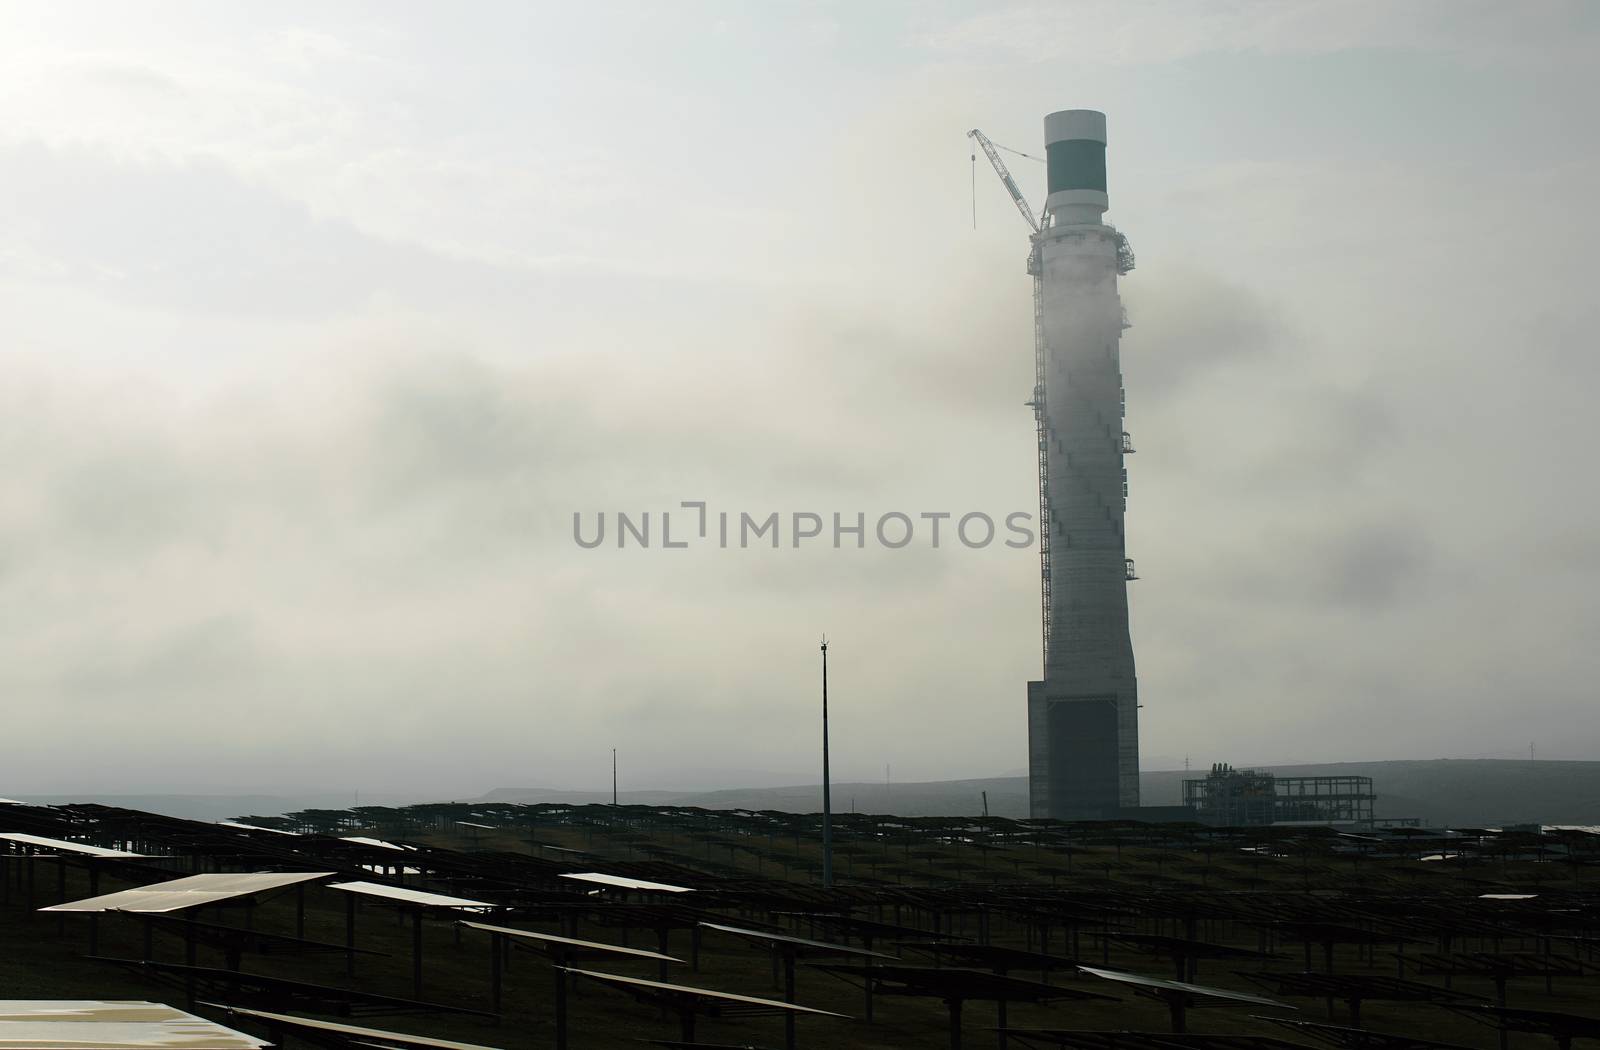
(320, 324)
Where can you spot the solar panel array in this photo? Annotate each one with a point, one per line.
(1055, 934)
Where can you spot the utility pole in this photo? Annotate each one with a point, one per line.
(613, 776)
(827, 796)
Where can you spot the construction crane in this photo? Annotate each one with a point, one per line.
(992, 151)
(1041, 421)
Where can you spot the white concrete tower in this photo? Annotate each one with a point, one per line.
(1083, 719)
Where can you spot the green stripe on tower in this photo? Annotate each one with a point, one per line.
(1077, 164)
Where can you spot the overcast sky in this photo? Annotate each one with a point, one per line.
(319, 321)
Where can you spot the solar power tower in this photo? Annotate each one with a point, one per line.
(1083, 718)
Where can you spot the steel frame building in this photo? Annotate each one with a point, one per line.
(1231, 797)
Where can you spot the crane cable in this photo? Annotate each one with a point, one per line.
(1019, 153)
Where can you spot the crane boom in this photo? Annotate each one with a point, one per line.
(1006, 180)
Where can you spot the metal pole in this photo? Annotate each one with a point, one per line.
(827, 790)
(1000, 1010)
(866, 978)
(189, 961)
(416, 952)
(562, 978)
(496, 954)
(788, 997)
(350, 934)
(94, 917)
(613, 776)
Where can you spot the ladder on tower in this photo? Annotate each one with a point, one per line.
(1041, 429)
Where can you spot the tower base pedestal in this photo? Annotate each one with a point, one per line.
(1073, 754)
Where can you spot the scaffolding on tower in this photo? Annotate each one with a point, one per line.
(1041, 421)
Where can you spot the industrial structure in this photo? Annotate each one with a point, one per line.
(1229, 797)
(1083, 728)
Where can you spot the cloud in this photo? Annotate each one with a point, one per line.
(1154, 32)
(380, 531)
(1187, 321)
(309, 362)
(124, 78)
(1376, 566)
(195, 237)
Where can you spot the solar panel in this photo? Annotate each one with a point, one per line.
(1563, 1027)
(241, 826)
(1182, 946)
(362, 840)
(993, 956)
(1498, 965)
(799, 942)
(213, 983)
(1352, 987)
(1356, 1038)
(405, 896)
(64, 846)
(953, 983)
(1160, 985)
(570, 942)
(618, 882)
(683, 1044)
(382, 1037)
(1081, 1039)
(190, 892)
(38, 1024)
(704, 994)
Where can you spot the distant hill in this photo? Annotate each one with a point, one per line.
(217, 807)
(585, 798)
(1439, 791)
